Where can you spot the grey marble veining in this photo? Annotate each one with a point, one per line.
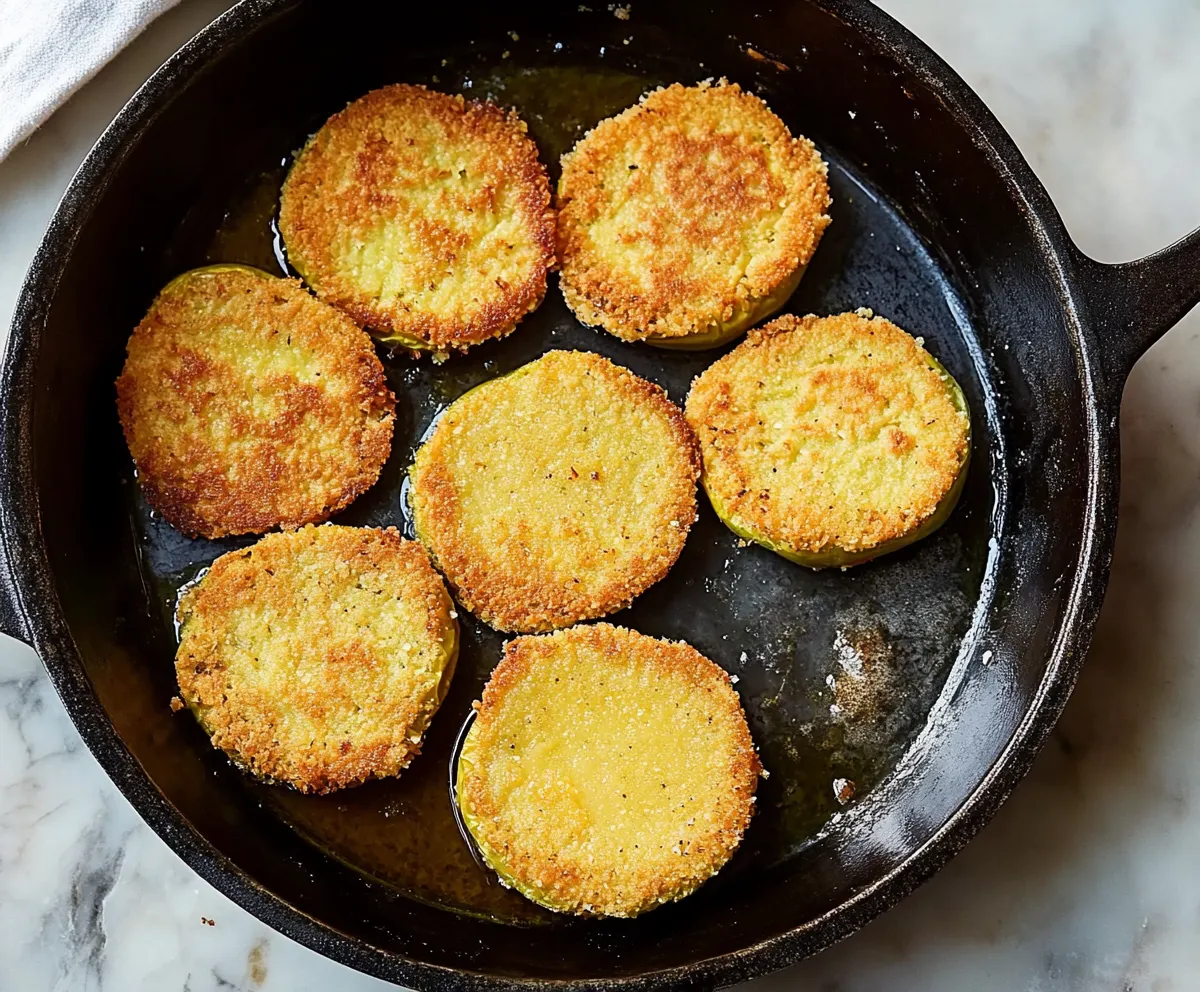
(1089, 878)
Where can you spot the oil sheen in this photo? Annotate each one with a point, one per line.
(837, 670)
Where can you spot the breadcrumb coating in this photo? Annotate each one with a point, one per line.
(688, 217)
(831, 440)
(249, 404)
(424, 216)
(318, 658)
(556, 493)
(607, 772)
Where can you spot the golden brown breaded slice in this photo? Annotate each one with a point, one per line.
(248, 404)
(606, 772)
(424, 216)
(689, 217)
(556, 493)
(831, 440)
(318, 658)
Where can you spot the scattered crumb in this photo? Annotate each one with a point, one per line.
(177, 703)
(205, 921)
(620, 13)
(843, 790)
(758, 56)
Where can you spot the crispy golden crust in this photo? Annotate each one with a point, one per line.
(607, 772)
(248, 404)
(318, 658)
(824, 433)
(557, 493)
(425, 217)
(686, 213)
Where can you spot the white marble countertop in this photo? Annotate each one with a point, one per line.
(1089, 879)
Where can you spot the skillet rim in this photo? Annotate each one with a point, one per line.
(26, 576)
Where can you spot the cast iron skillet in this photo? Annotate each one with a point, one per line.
(975, 635)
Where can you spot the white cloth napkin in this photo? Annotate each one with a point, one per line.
(49, 48)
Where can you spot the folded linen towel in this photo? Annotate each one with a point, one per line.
(49, 48)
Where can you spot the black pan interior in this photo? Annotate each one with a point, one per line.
(947, 674)
(884, 635)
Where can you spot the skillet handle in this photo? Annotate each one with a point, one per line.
(1133, 304)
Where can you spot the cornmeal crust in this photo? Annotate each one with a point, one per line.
(606, 772)
(318, 658)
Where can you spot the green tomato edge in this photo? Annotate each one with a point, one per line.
(205, 270)
(722, 332)
(471, 822)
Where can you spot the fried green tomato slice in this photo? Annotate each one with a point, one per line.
(317, 658)
(556, 493)
(424, 216)
(606, 772)
(689, 217)
(249, 404)
(831, 440)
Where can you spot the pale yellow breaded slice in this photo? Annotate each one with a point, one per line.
(689, 217)
(249, 404)
(831, 440)
(556, 493)
(606, 772)
(318, 657)
(424, 216)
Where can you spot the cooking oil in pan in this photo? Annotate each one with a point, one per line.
(837, 670)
